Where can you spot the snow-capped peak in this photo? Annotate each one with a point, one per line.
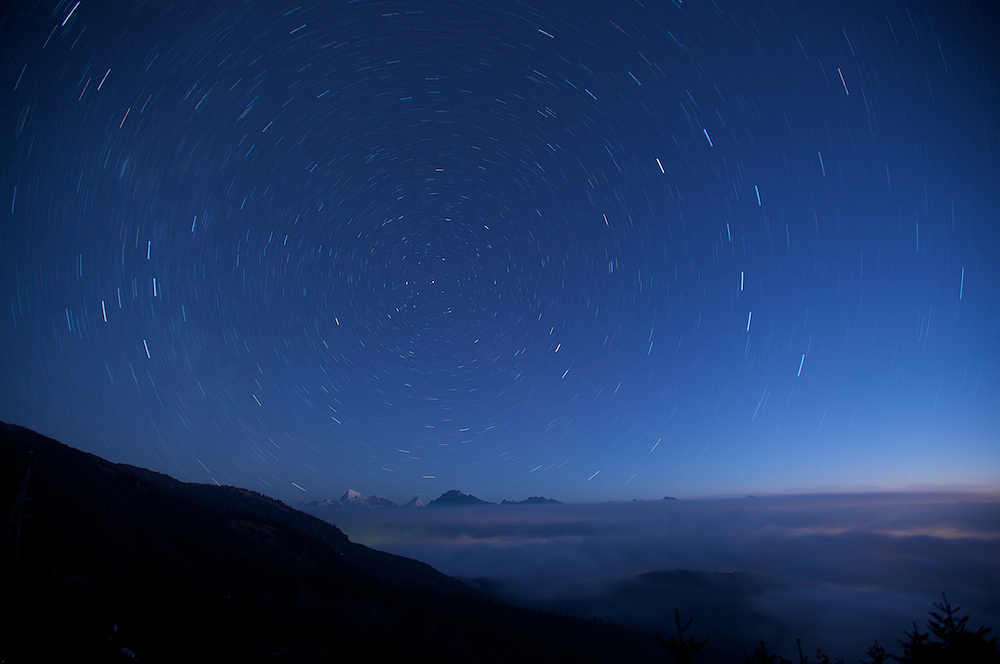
(352, 497)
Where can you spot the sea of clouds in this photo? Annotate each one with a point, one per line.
(838, 571)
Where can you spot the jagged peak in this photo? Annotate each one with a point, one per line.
(352, 496)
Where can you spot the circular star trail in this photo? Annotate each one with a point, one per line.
(587, 249)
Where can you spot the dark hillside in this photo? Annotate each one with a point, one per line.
(101, 560)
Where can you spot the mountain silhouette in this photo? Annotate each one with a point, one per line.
(351, 499)
(415, 502)
(456, 498)
(533, 500)
(109, 562)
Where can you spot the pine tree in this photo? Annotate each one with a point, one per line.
(760, 656)
(683, 649)
(952, 640)
(876, 654)
(821, 657)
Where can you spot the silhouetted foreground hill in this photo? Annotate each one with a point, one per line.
(108, 562)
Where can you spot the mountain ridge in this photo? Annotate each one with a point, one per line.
(353, 499)
(455, 498)
(109, 561)
(533, 500)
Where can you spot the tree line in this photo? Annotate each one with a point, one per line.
(947, 639)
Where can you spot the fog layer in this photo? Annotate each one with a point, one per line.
(839, 571)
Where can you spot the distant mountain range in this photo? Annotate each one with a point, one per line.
(533, 500)
(354, 500)
(456, 498)
(453, 498)
(109, 562)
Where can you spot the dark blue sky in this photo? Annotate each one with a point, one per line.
(588, 249)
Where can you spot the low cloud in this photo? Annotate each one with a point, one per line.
(840, 571)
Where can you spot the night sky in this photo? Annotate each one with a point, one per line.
(588, 249)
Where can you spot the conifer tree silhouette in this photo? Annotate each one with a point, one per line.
(683, 649)
(952, 640)
(876, 654)
(760, 656)
(917, 648)
(821, 657)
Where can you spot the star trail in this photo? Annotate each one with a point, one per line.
(594, 250)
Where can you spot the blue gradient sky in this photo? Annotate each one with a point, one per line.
(592, 250)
